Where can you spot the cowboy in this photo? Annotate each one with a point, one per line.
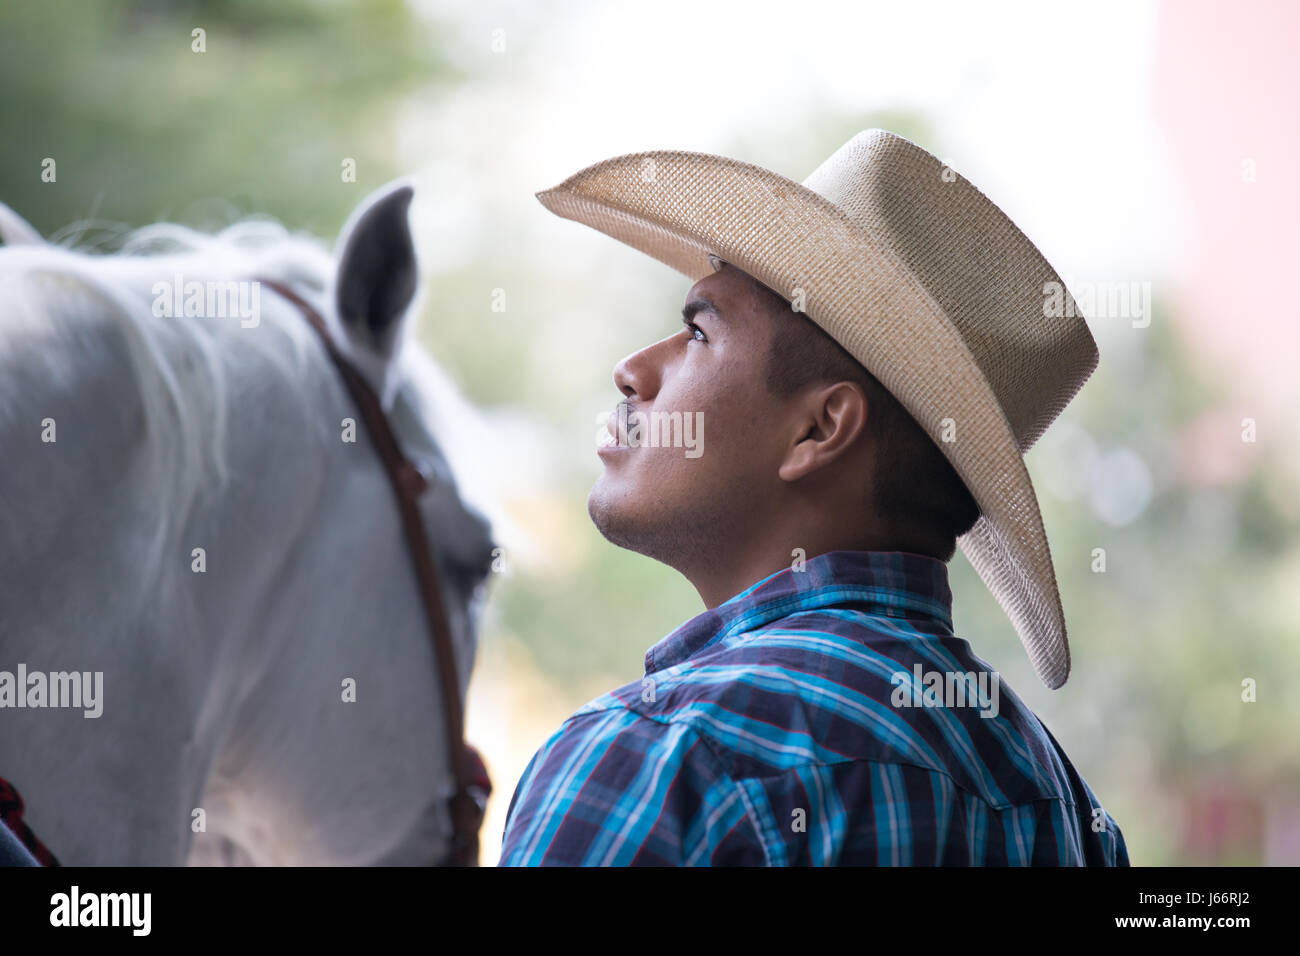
(872, 354)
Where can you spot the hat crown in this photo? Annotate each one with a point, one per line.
(977, 265)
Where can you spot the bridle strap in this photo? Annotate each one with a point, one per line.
(466, 805)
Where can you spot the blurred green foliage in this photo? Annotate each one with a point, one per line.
(143, 129)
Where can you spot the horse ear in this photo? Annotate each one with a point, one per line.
(377, 273)
(17, 231)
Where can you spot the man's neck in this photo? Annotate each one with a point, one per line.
(719, 581)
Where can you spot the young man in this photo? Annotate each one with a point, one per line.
(872, 352)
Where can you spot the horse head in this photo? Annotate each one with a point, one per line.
(191, 512)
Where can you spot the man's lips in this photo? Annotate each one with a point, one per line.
(611, 428)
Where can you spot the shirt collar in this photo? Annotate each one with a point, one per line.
(892, 583)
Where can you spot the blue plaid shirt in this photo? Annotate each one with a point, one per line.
(822, 716)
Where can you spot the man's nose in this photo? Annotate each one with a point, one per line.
(641, 373)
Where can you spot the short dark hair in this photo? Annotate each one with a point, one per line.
(918, 496)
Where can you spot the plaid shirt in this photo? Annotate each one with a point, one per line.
(799, 723)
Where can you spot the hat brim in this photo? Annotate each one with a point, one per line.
(680, 207)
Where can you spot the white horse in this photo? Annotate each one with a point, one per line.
(183, 510)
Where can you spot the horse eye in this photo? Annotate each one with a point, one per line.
(489, 559)
(471, 573)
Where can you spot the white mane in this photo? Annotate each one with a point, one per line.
(177, 366)
(55, 301)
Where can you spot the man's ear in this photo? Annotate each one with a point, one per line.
(377, 272)
(834, 419)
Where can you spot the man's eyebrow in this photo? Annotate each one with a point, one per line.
(697, 305)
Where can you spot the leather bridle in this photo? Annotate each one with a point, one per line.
(466, 806)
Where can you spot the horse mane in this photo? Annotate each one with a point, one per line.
(58, 303)
(51, 293)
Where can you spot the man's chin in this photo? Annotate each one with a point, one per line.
(613, 518)
(647, 522)
(602, 511)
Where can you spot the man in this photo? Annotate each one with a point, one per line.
(872, 351)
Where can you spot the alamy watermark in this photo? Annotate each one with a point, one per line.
(1099, 300)
(209, 299)
(129, 910)
(656, 429)
(922, 688)
(23, 688)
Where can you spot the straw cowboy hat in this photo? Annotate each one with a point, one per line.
(919, 277)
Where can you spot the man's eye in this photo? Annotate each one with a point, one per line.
(697, 333)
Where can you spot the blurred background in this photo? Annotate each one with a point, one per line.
(1147, 148)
